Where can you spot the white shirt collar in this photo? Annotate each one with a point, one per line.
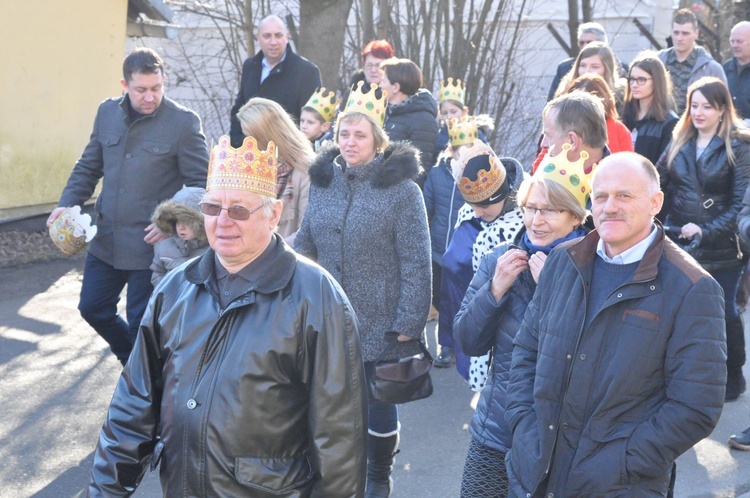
(632, 255)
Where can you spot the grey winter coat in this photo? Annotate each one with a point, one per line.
(367, 225)
(628, 394)
(143, 163)
(173, 251)
(264, 399)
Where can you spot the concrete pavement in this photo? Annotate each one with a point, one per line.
(57, 379)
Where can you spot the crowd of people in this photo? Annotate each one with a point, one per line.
(594, 297)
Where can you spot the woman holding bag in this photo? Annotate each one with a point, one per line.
(704, 176)
(366, 224)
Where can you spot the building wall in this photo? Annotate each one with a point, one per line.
(60, 60)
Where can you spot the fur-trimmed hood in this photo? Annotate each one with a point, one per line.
(399, 162)
(182, 207)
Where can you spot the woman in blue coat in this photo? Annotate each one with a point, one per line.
(494, 305)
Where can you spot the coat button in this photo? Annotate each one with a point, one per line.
(619, 294)
(653, 287)
(156, 149)
(351, 177)
(565, 425)
(122, 190)
(191, 404)
(338, 229)
(570, 356)
(127, 156)
(582, 357)
(552, 427)
(550, 495)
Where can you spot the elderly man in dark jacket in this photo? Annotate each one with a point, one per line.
(619, 366)
(145, 147)
(247, 377)
(275, 73)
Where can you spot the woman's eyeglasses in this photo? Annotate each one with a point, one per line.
(370, 66)
(640, 81)
(546, 213)
(235, 212)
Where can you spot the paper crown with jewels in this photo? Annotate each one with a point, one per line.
(324, 104)
(246, 168)
(462, 131)
(367, 103)
(480, 175)
(451, 91)
(569, 174)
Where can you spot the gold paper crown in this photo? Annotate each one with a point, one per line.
(246, 168)
(324, 104)
(452, 92)
(570, 175)
(462, 131)
(367, 103)
(481, 163)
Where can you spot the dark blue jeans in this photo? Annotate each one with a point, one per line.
(100, 293)
(729, 281)
(383, 417)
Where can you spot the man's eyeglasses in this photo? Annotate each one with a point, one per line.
(546, 213)
(640, 81)
(235, 212)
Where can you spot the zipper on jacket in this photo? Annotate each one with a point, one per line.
(192, 403)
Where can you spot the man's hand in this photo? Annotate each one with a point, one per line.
(154, 235)
(54, 215)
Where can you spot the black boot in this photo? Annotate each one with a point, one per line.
(380, 456)
(736, 384)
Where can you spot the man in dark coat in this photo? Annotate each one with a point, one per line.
(246, 379)
(619, 365)
(587, 32)
(737, 69)
(145, 147)
(275, 73)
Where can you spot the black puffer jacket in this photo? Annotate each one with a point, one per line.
(265, 398)
(708, 192)
(415, 120)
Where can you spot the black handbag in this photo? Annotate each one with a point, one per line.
(404, 380)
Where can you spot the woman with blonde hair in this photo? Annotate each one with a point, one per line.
(267, 121)
(649, 106)
(367, 226)
(704, 175)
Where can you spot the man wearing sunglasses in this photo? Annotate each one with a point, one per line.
(246, 378)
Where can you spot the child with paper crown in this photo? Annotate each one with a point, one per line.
(452, 105)
(489, 217)
(443, 199)
(179, 217)
(316, 117)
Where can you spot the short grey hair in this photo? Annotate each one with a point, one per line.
(595, 29)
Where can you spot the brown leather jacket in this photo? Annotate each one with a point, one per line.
(266, 398)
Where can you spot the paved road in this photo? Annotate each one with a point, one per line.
(57, 379)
